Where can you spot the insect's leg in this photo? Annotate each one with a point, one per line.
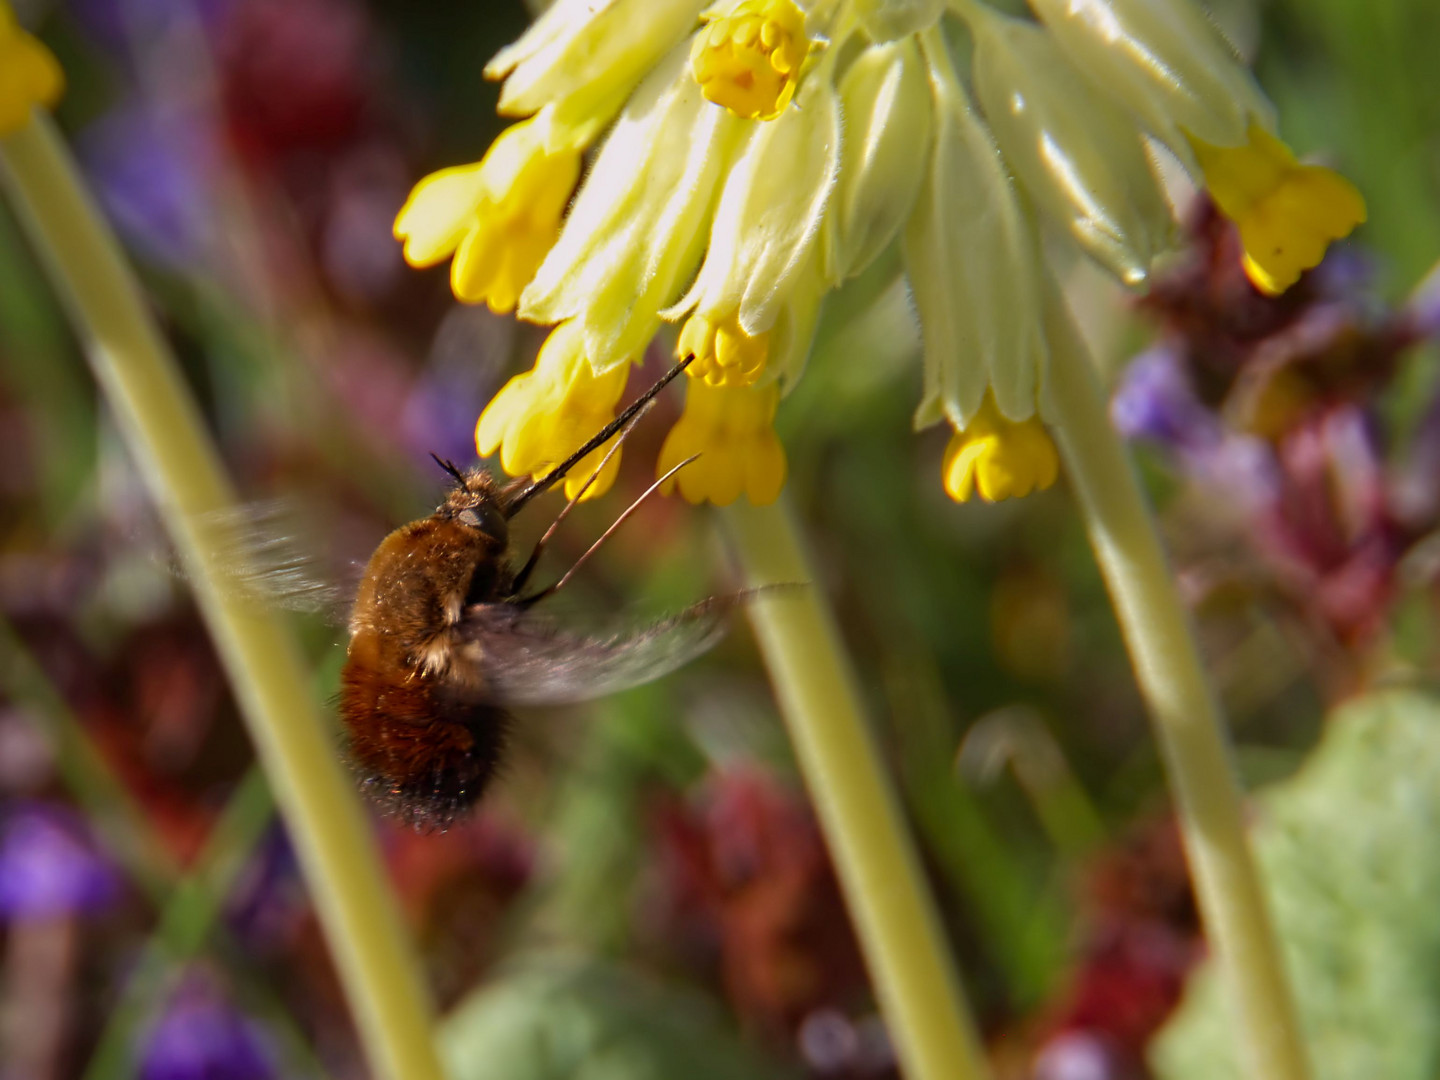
(527, 601)
(524, 575)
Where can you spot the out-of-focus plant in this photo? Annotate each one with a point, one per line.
(1352, 870)
(1275, 409)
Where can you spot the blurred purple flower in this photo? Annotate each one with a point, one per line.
(201, 1037)
(148, 169)
(1156, 401)
(1082, 1055)
(267, 906)
(468, 359)
(115, 24)
(49, 865)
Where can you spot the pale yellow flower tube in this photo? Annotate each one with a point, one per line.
(1183, 710)
(163, 430)
(899, 930)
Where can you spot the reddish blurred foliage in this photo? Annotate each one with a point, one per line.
(457, 887)
(295, 75)
(1140, 936)
(155, 707)
(1274, 406)
(749, 889)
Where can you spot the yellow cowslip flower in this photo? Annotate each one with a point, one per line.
(731, 428)
(541, 417)
(749, 58)
(761, 155)
(724, 354)
(999, 458)
(1287, 213)
(29, 73)
(499, 217)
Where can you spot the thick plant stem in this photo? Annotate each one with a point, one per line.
(905, 949)
(163, 429)
(1183, 709)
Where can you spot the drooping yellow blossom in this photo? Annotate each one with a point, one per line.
(499, 217)
(724, 354)
(999, 458)
(731, 429)
(1287, 213)
(29, 73)
(541, 417)
(749, 59)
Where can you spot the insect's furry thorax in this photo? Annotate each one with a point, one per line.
(420, 733)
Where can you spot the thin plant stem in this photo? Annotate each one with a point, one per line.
(163, 430)
(116, 817)
(1188, 726)
(189, 918)
(899, 929)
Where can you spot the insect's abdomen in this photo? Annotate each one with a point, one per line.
(421, 753)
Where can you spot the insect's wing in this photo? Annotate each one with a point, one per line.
(269, 556)
(524, 659)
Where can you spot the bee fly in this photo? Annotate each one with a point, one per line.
(442, 642)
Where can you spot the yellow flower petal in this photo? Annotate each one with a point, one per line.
(749, 60)
(439, 214)
(724, 354)
(29, 74)
(499, 217)
(731, 429)
(542, 416)
(999, 458)
(1287, 213)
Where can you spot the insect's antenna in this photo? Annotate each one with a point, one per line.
(449, 467)
(600, 438)
(605, 535)
(525, 571)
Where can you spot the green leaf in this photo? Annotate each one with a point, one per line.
(558, 1018)
(1350, 852)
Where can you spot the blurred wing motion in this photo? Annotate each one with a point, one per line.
(525, 659)
(267, 557)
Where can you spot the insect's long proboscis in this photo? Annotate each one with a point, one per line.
(600, 438)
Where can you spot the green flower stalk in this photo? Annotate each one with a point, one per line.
(1183, 710)
(163, 430)
(898, 928)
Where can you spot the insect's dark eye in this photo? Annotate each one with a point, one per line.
(488, 520)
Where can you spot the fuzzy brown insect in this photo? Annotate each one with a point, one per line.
(442, 643)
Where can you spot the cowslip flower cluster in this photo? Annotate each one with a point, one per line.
(761, 153)
(29, 73)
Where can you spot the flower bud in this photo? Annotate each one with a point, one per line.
(768, 218)
(1076, 153)
(885, 101)
(1165, 62)
(971, 256)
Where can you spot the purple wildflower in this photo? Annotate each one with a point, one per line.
(148, 169)
(1156, 401)
(201, 1037)
(50, 865)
